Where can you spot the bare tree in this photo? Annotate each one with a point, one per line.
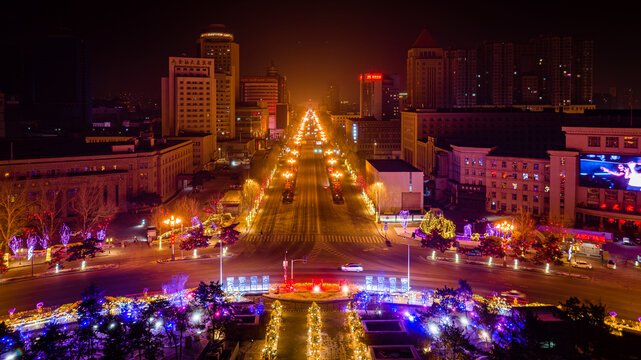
(48, 209)
(186, 208)
(91, 207)
(158, 215)
(249, 193)
(14, 208)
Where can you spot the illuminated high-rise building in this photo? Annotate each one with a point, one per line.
(217, 43)
(425, 79)
(379, 96)
(188, 95)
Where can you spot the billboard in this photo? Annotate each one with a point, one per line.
(617, 172)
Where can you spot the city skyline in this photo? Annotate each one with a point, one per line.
(312, 58)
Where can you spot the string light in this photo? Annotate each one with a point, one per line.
(357, 333)
(314, 325)
(273, 330)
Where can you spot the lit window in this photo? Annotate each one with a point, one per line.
(525, 176)
(547, 188)
(536, 177)
(630, 142)
(612, 141)
(514, 186)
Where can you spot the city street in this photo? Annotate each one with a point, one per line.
(329, 235)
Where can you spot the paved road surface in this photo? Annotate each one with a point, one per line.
(329, 235)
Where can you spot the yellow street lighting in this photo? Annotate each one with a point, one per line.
(291, 160)
(332, 161)
(287, 175)
(173, 221)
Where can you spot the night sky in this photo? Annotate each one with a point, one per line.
(317, 42)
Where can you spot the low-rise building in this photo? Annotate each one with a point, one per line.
(396, 184)
(375, 139)
(124, 169)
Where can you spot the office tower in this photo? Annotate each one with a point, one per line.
(425, 73)
(461, 78)
(188, 95)
(261, 88)
(332, 98)
(379, 96)
(283, 94)
(496, 63)
(218, 44)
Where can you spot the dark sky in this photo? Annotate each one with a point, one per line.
(317, 42)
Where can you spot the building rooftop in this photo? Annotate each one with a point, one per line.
(392, 166)
(425, 40)
(52, 147)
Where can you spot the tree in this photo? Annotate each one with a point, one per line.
(211, 298)
(186, 208)
(14, 206)
(250, 191)
(10, 339)
(49, 206)
(90, 207)
(548, 251)
(142, 335)
(51, 344)
(432, 221)
(57, 258)
(524, 233)
(492, 246)
(229, 234)
(158, 216)
(452, 343)
(114, 337)
(196, 238)
(89, 314)
(434, 240)
(88, 249)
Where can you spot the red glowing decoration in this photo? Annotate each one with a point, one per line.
(371, 77)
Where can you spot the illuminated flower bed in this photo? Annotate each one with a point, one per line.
(273, 330)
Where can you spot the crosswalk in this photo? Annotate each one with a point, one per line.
(272, 238)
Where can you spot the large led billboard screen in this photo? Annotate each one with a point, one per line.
(617, 172)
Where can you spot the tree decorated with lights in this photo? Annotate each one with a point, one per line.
(89, 315)
(524, 233)
(3, 266)
(212, 299)
(196, 238)
(436, 222)
(10, 339)
(57, 259)
(492, 246)
(435, 240)
(548, 251)
(87, 250)
(229, 234)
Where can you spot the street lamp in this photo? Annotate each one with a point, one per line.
(173, 222)
(304, 260)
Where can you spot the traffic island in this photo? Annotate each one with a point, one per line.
(51, 273)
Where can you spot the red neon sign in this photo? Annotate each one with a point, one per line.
(371, 77)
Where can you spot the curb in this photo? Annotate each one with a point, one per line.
(61, 273)
(499, 266)
(167, 261)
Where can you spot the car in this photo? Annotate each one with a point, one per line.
(288, 196)
(352, 267)
(611, 265)
(513, 294)
(581, 264)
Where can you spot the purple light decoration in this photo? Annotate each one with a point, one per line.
(102, 234)
(88, 235)
(195, 221)
(404, 215)
(11, 312)
(44, 241)
(467, 231)
(32, 240)
(65, 234)
(613, 314)
(39, 306)
(15, 243)
(639, 318)
(489, 230)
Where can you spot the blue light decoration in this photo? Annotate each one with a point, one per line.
(242, 284)
(265, 283)
(355, 132)
(253, 283)
(404, 285)
(368, 283)
(230, 284)
(381, 283)
(392, 284)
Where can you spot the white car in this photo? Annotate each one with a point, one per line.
(352, 267)
(581, 264)
(513, 294)
(611, 265)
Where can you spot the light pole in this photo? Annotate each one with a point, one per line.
(304, 260)
(173, 221)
